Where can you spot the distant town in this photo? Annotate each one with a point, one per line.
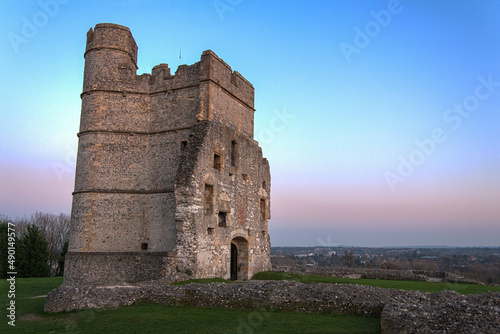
(478, 263)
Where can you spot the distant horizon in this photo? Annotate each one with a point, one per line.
(390, 247)
(323, 241)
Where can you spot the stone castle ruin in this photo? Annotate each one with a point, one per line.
(169, 178)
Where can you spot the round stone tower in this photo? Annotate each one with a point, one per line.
(110, 58)
(111, 213)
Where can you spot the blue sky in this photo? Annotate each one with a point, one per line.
(380, 119)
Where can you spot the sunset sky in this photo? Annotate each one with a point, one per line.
(380, 119)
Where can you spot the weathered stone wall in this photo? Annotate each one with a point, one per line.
(109, 111)
(263, 295)
(237, 192)
(117, 267)
(107, 222)
(444, 312)
(112, 161)
(226, 97)
(401, 311)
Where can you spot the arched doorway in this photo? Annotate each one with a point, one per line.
(239, 259)
(234, 262)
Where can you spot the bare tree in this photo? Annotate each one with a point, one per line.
(21, 226)
(54, 228)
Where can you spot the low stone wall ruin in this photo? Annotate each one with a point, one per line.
(400, 311)
(389, 274)
(444, 312)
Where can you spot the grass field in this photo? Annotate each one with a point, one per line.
(423, 286)
(148, 318)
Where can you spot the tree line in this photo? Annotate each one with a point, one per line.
(40, 243)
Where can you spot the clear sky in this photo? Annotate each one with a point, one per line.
(380, 119)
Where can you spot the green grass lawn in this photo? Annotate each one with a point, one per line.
(423, 286)
(149, 318)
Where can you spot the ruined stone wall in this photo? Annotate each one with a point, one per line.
(401, 312)
(386, 274)
(237, 191)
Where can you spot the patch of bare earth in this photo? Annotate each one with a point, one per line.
(31, 317)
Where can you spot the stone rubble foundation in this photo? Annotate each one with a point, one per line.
(400, 311)
(388, 274)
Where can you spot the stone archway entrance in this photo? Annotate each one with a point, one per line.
(234, 262)
(239, 259)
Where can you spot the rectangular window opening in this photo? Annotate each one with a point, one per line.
(222, 219)
(183, 145)
(217, 161)
(262, 210)
(144, 246)
(233, 153)
(208, 195)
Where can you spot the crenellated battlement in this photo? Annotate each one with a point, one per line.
(208, 90)
(210, 68)
(219, 72)
(113, 37)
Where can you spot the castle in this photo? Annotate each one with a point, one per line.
(169, 178)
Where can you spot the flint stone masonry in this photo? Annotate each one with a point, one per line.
(162, 158)
(444, 312)
(400, 311)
